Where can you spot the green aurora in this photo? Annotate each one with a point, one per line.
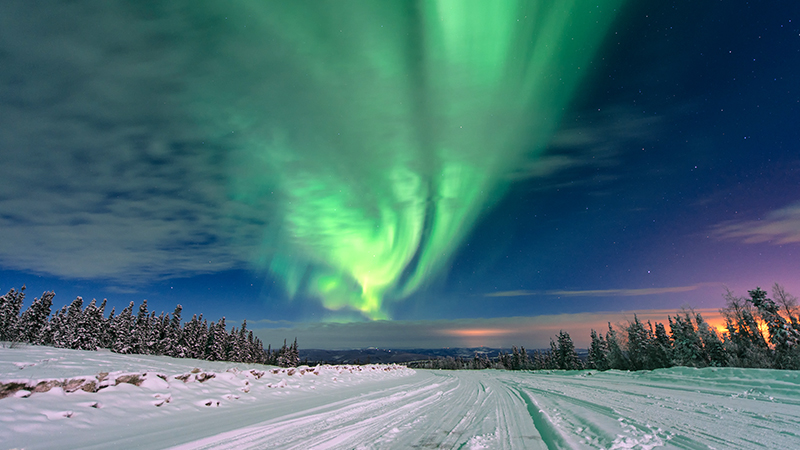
(388, 130)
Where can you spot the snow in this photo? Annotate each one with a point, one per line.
(103, 400)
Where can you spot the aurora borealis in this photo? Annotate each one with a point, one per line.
(418, 114)
(309, 162)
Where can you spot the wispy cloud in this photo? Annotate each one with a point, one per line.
(605, 292)
(518, 293)
(598, 145)
(779, 227)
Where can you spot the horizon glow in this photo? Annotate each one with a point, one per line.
(403, 122)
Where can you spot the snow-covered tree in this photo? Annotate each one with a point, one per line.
(638, 345)
(10, 305)
(712, 344)
(566, 355)
(70, 336)
(108, 337)
(288, 356)
(783, 338)
(174, 344)
(34, 326)
(688, 349)
(216, 341)
(616, 359)
(88, 328)
(123, 331)
(598, 351)
(661, 348)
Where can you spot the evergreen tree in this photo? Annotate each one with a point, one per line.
(783, 337)
(661, 349)
(201, 335)
(71, 338)
(525, 359)
(616, 359)
(688, 348)
(216, 341)
(190, 335)
(33, 324)
(58, 327)
(280, 358)
(566, 356)
(638, 345)
(109, 335)
(745, 345)
(516, 359)
(88, 328)
(598, 351)
(288, 356)
(160, 334)
(123, 327)
(712, 344)
(10, 306)
(175, 345)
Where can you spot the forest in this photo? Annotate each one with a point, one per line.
(760, 332)
(87, 328)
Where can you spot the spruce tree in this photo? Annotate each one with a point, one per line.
(10, 306)
(109, 336)
(712, 344)
(598, 351)
(688, 348)
(71, 338)
(190, 337)
(33, 324)
(175, 346)
(160, 334)
(638, 343)
(567, 356)
(123, 327)
(88, 328)
(58, 328)
(661, 350)
(616, 359)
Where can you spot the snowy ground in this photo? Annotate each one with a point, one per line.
(157, 402)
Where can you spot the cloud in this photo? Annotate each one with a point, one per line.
(605, 292)
(531, 332)
(779, 227)
(104, 174)
(518, 293)
(599, 144)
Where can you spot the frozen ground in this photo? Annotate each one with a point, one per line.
(192, 404)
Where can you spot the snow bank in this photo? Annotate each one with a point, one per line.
(40, 386)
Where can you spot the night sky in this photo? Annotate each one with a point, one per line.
(401, 174)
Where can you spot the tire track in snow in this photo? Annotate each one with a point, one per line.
(469, 411)
(541, 410)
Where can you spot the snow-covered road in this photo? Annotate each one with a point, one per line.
(388, 407)
(679, 408)
(428, 410)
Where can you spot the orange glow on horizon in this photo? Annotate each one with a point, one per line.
(718, 324)
(477, 332)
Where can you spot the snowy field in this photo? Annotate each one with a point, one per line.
(105, 400)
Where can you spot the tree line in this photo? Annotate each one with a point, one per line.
(144, 333)
(760, 332)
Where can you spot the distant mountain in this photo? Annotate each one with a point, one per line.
(386, 356)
